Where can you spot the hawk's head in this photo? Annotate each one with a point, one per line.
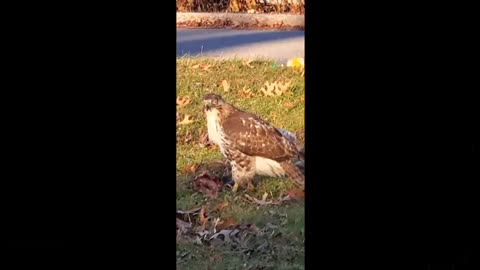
(213, 102)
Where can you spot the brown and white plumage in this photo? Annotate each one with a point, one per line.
(252, 145)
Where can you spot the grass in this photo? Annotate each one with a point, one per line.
(283, 247)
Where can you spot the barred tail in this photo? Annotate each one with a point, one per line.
(294, 173)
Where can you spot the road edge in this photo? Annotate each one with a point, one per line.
(240, 20)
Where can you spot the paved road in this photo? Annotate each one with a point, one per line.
(227, 43)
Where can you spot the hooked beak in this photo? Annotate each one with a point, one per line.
(207, 104)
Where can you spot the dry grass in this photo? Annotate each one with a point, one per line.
(243, 6)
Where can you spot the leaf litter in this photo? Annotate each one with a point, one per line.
(187, 119)
(226, 86)
(203, 227)
(275, 88)
(182, 101)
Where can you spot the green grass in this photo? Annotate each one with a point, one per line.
(284, 250)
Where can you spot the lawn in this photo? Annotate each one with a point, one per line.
(253, 234)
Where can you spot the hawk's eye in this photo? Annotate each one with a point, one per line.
(214, 101)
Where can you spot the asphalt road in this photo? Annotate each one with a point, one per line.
(226, 43)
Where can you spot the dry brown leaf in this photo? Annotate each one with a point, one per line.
(189, 168)
(257, 201)
(289, 105)
(282, 88)
(201, 217)
(182, 101)
(247, 93)
(265, 195)
(205, 67)
(269, 90)
(221, 206)
(247, 63)
(296, 193)
(188, 119)
(188, 137)
(224, 224)
(275, 89)
(226, 86)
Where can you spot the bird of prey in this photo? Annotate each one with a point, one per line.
(251, 145)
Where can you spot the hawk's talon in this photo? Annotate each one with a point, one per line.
(235, 187)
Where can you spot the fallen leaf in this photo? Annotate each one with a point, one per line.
(182, 101)
(257, 201)
(226, 86)
(269, 90)
(275, 89)
(205, 67)
(201, 217)
(189, 168)
(188, 119)
(247, 93)
(207, 184)
(247, 63)
(282, 88)
(220, 206)
(224, 224)
(265, 195)
(289, 104)
(188, 137)
(296, 193)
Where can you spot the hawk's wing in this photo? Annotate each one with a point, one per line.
(255, 137)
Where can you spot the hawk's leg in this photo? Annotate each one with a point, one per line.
(250, 186)
(235, 187)
(242, 173)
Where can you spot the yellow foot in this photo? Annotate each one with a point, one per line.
(235, 187)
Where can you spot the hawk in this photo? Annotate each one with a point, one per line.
(251, 145)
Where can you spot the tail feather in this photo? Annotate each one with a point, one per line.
(294, 173)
